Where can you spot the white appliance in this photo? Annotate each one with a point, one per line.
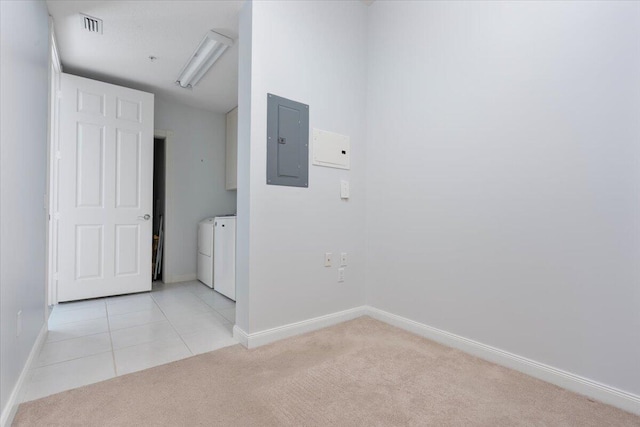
(205, 251)
(224, 256)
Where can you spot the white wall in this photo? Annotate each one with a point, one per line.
(503, 198)
(195, 183)
(314, 53)
(23, 146)
(243, 230)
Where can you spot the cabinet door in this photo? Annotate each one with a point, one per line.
(232, 150)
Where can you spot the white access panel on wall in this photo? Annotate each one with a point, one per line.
(104, 190)
(331, 149)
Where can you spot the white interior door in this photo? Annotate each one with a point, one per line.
(105, 190)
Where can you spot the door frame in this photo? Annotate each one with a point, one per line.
(55, 71)
(167, 136)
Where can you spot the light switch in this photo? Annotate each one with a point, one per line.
(344, 189)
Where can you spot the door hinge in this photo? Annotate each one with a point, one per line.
(59, 94)
(58, 155)
(56, 215)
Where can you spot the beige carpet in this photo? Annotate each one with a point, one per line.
(359, 373)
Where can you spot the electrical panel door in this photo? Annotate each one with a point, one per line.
(287, 142)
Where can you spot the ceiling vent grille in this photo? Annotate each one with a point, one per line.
(91, 24)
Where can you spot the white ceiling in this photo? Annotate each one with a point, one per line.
(134, 30)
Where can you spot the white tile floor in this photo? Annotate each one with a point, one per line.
(94, 340)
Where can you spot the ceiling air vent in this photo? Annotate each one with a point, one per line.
(91, 24)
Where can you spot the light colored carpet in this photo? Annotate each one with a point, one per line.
(359, 373)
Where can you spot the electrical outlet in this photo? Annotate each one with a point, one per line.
(341, 275)
(19, 323)
(327, 259)
(343, 259)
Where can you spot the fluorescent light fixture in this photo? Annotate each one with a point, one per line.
(209, 50)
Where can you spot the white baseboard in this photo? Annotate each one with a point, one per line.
(6, 418)
(621, 399)
(241, 336)
(593, 389)
(267, 336)
(181, 278)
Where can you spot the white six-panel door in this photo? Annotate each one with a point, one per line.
(105, 190)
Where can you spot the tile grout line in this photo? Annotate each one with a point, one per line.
(71, 360)
(215, 309)
(113, 353)
(69, 339)
(232, 323)
(171, 324)
(223, 321)
(226, 321)
(210, 306)
(144, 324)
(141, 324)
(67, 306)
(80, 336)
(26, 393)
(75, 321)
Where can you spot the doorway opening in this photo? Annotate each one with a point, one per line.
(159, 195)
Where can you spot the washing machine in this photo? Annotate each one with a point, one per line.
(224, 256)
(205, 251)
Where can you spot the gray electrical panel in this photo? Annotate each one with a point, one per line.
(287, 142)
